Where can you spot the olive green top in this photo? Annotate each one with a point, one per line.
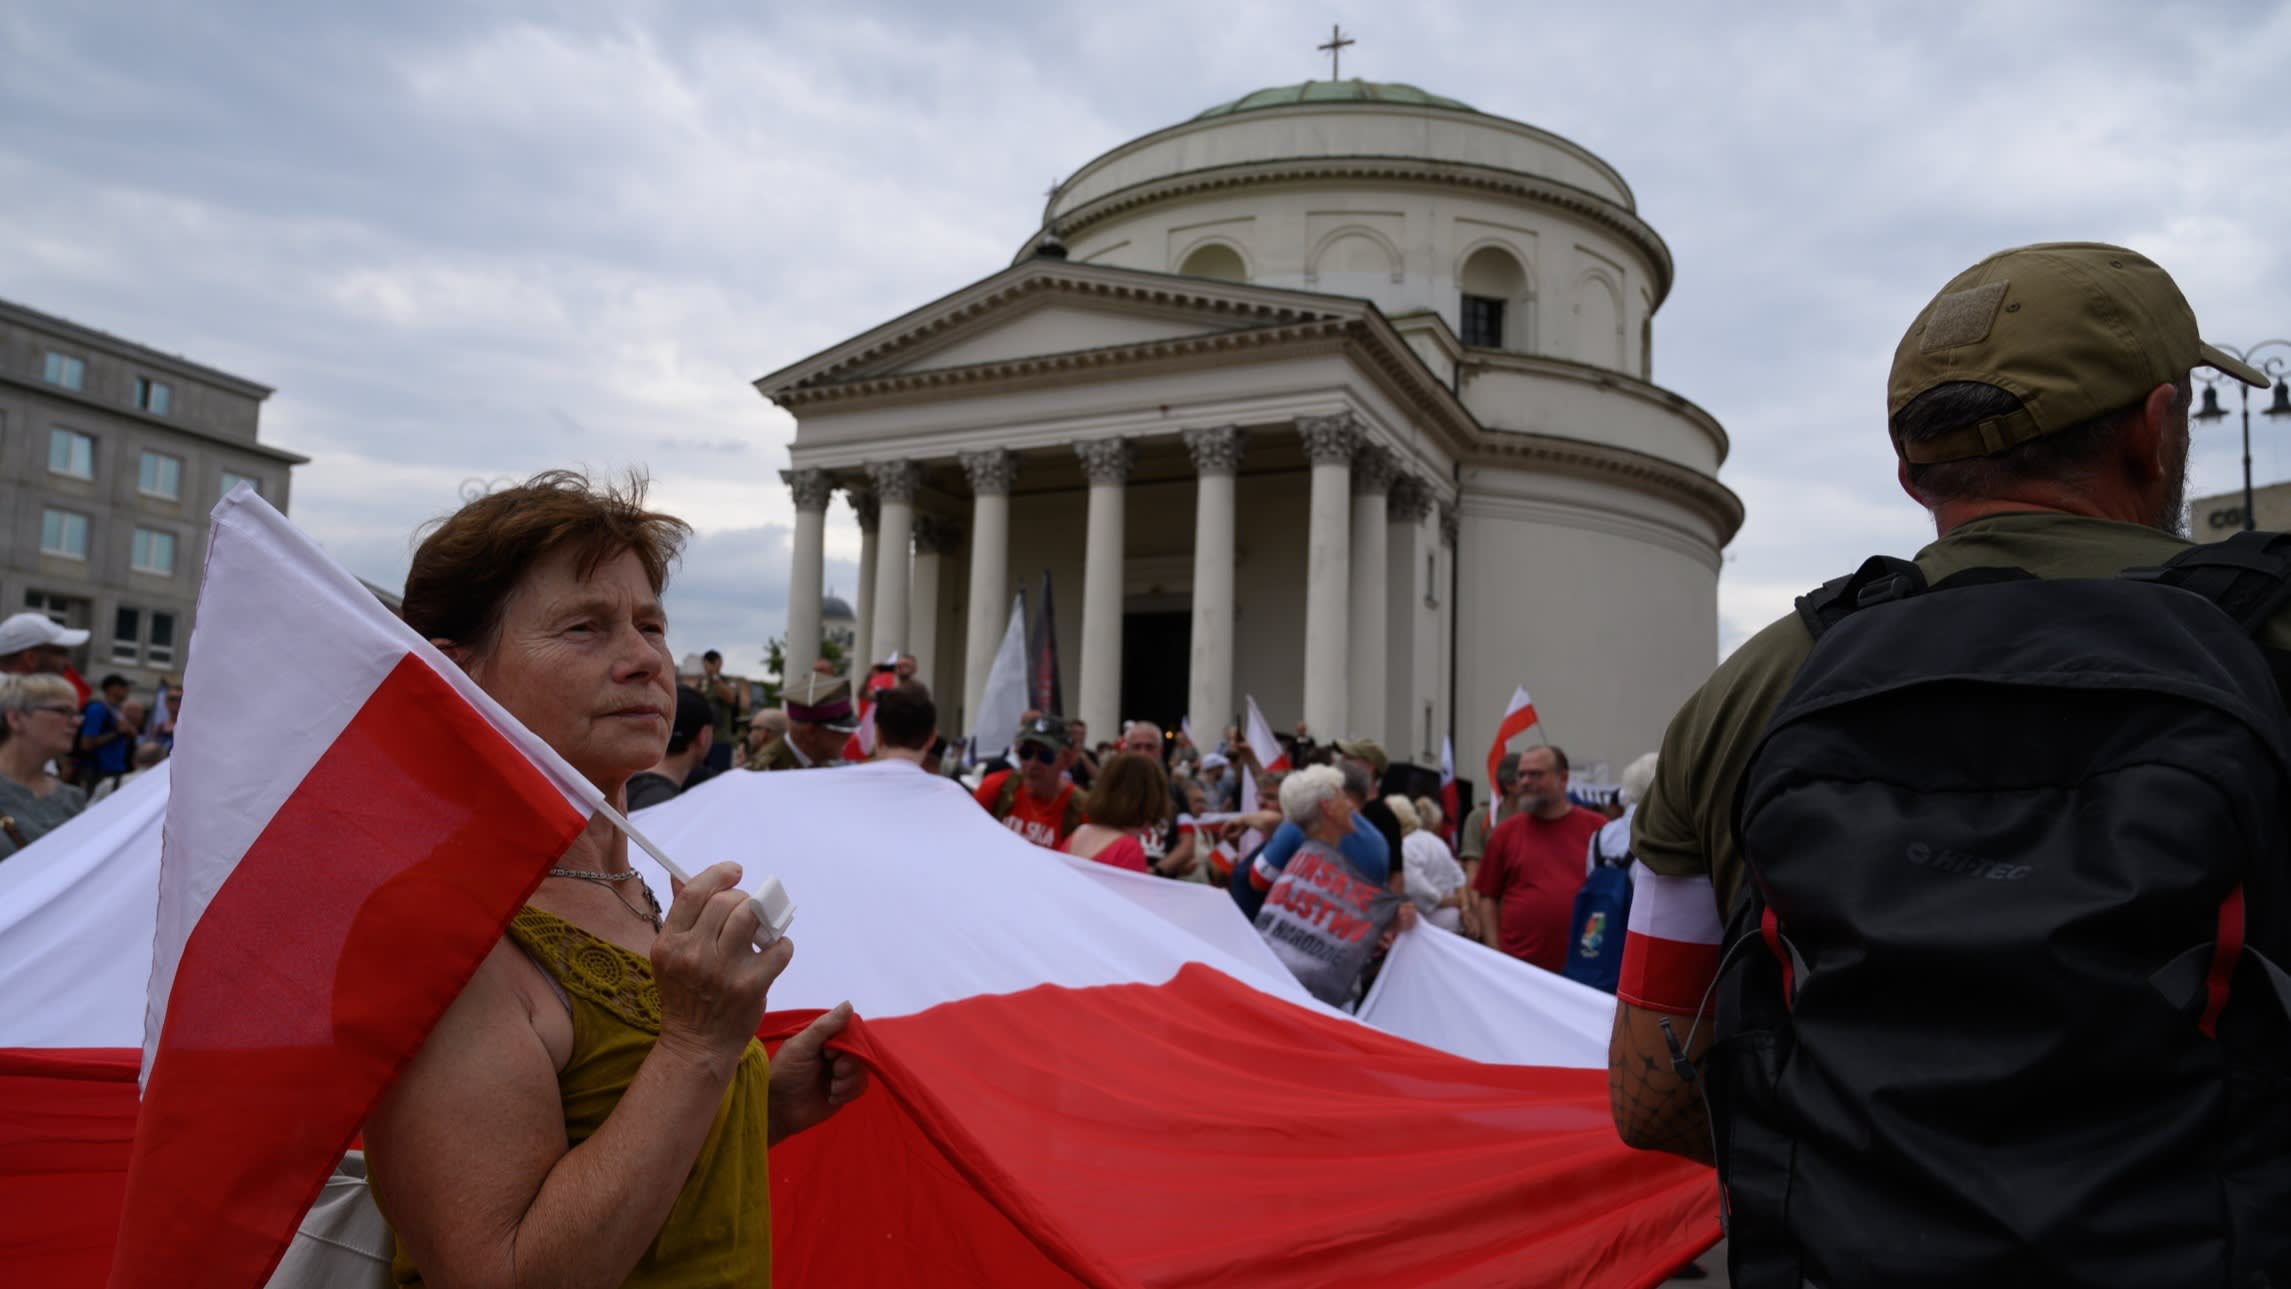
(720, 1230)
(1685, 828)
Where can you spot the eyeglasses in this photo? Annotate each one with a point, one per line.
(1038, 752)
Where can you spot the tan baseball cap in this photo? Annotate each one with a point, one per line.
(2074, 329)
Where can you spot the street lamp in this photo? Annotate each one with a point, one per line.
(2272, 365)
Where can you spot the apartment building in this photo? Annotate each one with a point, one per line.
(111, 456)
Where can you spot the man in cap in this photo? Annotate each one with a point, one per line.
(2038, 411)
(1035, 800)
(1372, 761)
(690, 736)
(819, 720)
(32, 642)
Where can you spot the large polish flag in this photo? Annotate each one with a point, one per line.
(351, 824)
(1082, 1075)
(1270, 753)
(1518, 718)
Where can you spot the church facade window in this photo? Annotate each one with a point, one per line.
(1494, 310)
(1215, 260)
(1483, 322)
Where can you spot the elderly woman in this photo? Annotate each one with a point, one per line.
(593, 1109)
(39, 723)
(1435, 881)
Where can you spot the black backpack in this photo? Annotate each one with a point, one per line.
(2006, 1010)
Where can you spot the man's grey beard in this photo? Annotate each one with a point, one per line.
(2172, 515)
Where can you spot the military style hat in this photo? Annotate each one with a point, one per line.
(1048, 730)
(1365, 749)
(2073, 329)
(820, 700)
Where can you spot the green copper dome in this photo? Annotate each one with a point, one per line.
(1353, 91)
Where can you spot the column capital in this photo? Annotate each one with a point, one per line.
(991, 472)
(1373, 470)
(1411, 500)
(1106, 460)
(936, 536)
(865, 506)
(896, 481)
(1449, 525)
(813, 489)
(1329, 440)
(1216, 450)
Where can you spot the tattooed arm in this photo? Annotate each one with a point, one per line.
(1655, 1109)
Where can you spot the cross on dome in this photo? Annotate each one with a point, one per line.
(1337, 41)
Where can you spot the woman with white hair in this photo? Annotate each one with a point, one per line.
(1435, 881)
(39, 722)
(1611, 845)
(1323, 916)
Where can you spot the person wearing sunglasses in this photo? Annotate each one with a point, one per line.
(39, 719)
(1034, 798)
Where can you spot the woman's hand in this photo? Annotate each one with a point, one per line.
(809, 1083)
(713, 980)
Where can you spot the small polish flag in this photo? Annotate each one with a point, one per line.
(1270, 754)
(354, 824)
(1518, 719)
(1451, 801)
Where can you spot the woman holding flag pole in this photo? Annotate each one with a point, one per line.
(594, 1108)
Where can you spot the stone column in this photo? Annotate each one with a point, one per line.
(1411, 504)
(1373, 470)
(868, 511)
(991, 476)
(807, 574)
(1209, 684)
(895, 485)
(935, 539)
(1106, 463)
(1329, 445)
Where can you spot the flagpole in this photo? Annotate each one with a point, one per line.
(774, 911)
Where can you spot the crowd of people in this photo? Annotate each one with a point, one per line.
(63, 746)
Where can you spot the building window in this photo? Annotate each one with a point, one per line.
(160, 475)
(1483, 322)
(231, 481)
(63, 533)
(154, 552)
(71, 452)
(70, 373)
(162, 652)
(1432, 579)
(127, 635)
(152, 396)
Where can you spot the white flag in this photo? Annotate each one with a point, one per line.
(996, 723)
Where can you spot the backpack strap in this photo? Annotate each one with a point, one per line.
(2248, 576)
(1881, 579)
(1074, 816)
(1007, 797)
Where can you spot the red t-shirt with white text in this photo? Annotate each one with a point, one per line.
(1535, 866)
(1040, 822)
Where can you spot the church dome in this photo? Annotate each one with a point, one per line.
(1352, 91)
(835, 608)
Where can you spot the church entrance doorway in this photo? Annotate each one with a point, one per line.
(1156, 654)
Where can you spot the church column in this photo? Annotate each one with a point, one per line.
(935, 539)
(895, 486)
(1106, 463)
(1209, 686)
(868, 511)
(1373, 470)
(807, 574)
(1329, 444)
(991, 475)
(1411, 504)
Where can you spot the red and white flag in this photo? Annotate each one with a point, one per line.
(1271, 756)
(1518, 719)
(1670, 954)
(352, 824)
(1451, 801)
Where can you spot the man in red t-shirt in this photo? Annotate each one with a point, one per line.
(1535, 864)
(1035, 800)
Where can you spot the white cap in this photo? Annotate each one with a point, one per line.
(1214, 761)
(31, 630)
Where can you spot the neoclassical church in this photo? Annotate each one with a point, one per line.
(1339, 395)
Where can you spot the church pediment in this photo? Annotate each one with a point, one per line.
(1044, 308)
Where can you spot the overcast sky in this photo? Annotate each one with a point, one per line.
(466, 241)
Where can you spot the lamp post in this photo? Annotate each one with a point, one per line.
(2280, 405)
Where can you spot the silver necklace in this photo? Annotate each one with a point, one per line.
(609, 881)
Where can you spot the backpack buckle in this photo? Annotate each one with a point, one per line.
(1885, 590)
